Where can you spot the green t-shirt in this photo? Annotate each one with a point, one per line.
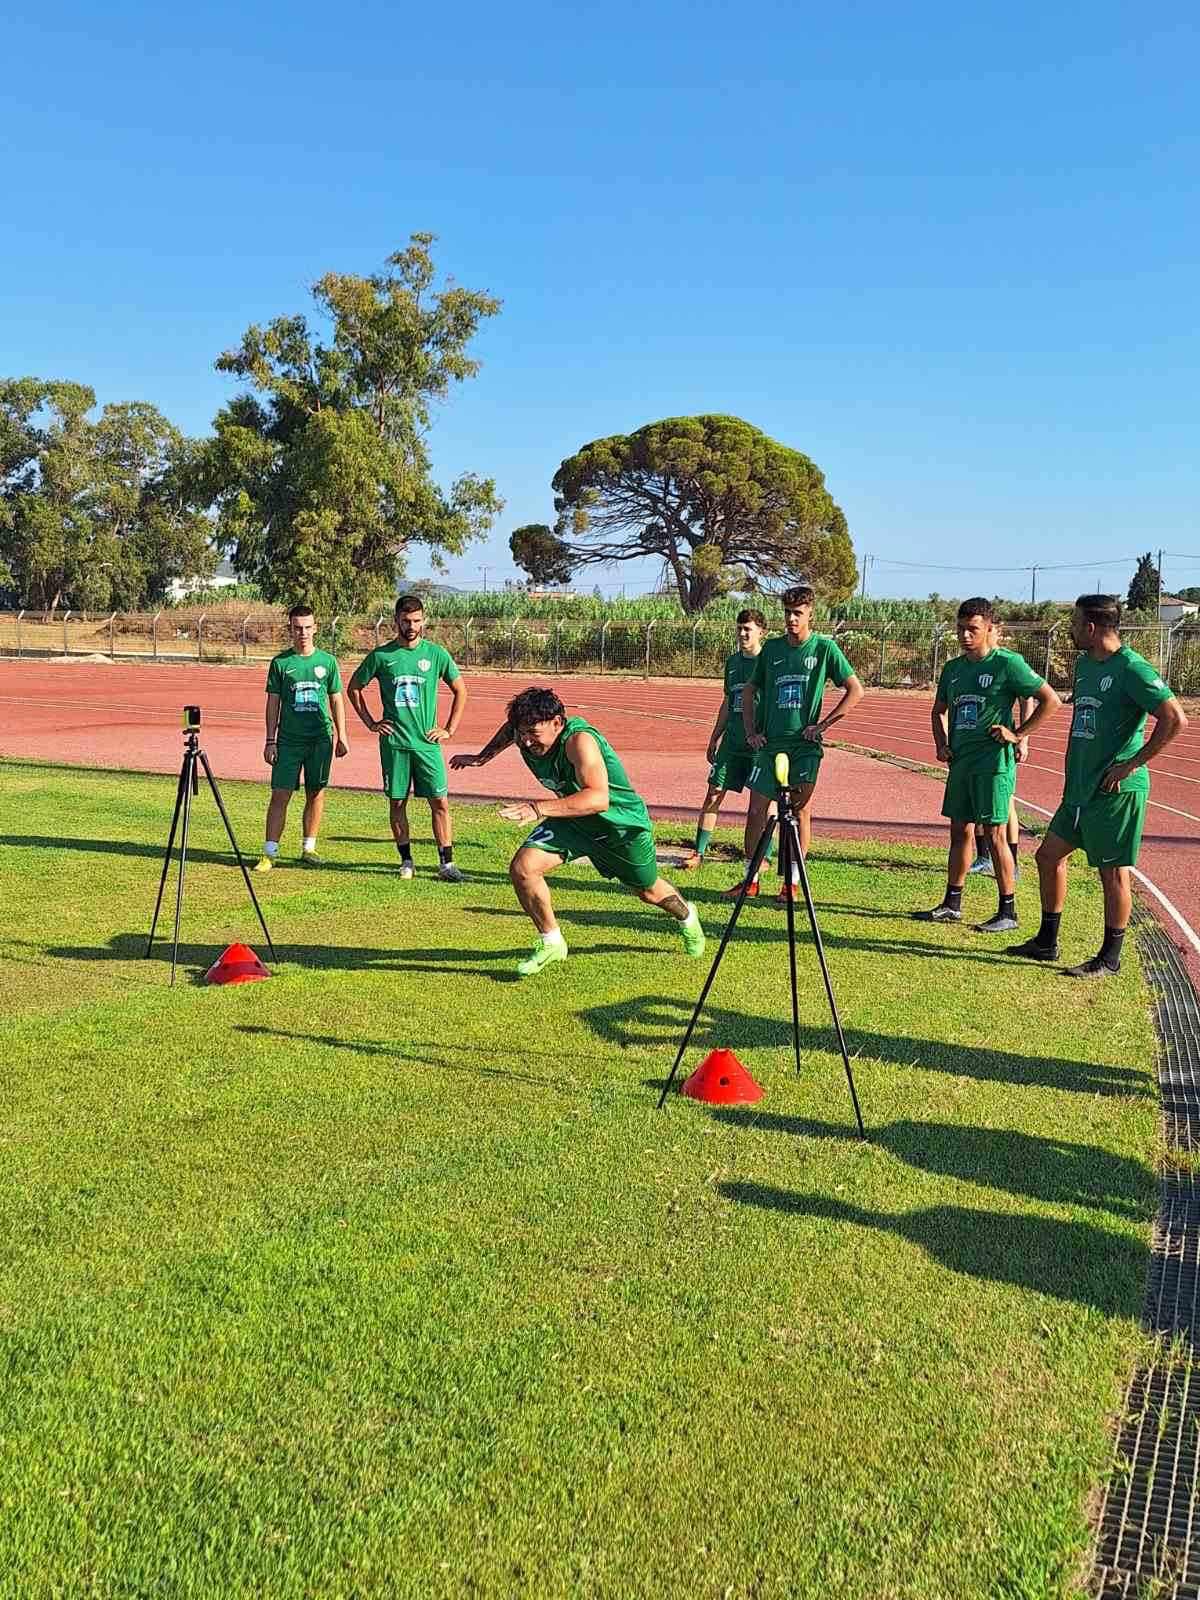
(738, 670)
(626, 809)
(1108, 720)
(408, 685)
(790, 683)
(304, 684)
(979, 695)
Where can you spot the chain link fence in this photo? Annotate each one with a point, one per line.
(908, 656)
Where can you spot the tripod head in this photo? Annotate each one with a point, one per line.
(191, 729)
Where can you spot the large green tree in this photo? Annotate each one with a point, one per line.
(320, 473)
(1144, 585)
(94, 514)
(537, 550)
(712, 496)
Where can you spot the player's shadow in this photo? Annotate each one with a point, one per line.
(656, 1022)
(424, 1052)
(1054, 1170)
(1073, 1261)
(197, 854)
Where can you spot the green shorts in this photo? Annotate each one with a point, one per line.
(731, 770)
(419, 770)
(1109, 828)
(977, 792)
(312, 757)
(804, 763)
(628, 855)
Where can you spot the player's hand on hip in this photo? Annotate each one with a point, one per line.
(1003, 735)
(756, 741)
(943, 754)
(437, 735)
(520, 811)
(383, 726)
(1022, 751)
(1115, 776)
(341, 748)
(815, 732)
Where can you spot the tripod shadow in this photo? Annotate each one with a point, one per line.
(653, 1021)
(404, 1052)
(1072, 1261)
(1054, 1170)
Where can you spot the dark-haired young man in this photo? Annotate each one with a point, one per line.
(729, 756)
(781, 713)
(409, 669)
(975, 696)
(594, 812)
(304, 708)
(1107, 783)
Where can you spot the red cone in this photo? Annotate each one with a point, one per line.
(238, 964)
(722, 1080)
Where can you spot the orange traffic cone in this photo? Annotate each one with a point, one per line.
(238, 964)
(722, 1080)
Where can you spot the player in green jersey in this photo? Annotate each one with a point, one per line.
(973, 734)
(1107, 785)
(982, 864)
(408, 669)
(729, 756)
(304, 711)
(595, 812)
(781, 713)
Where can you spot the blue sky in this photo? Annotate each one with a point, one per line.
(948, 251)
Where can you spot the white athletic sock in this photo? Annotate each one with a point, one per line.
(553, 937)
(270, 848)
(310, 843)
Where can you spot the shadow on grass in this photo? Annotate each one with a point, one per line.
(1073, 1261)
(154, 851)
(1041, 1168)
(404, 1052)
(654, 1021)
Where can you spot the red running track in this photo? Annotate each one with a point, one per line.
(97, 713)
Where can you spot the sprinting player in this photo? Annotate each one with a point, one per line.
(305, 711)
(781, 713)
(975, 696)
(729, 756)
(409, 669)
(1107, 783)
(595, 812)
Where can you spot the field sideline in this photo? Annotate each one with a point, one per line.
(384, 1277)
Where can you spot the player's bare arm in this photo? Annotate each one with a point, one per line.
(359, 701)
(719, 727)
(500, 740)
(458, 704)
(938, 715)
(272, 726)
(583, 753)
(754, 739)
(1169, 722)
(337, 710)
(852, 693)
(1045, 702)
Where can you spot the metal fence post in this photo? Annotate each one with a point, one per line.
(333, 633)
(937, 648)
(245, 620)
(1171, 631)
(112, 648)
(200, 636)
(154, 633)
(66, 645)
(467, 626)
(557, 648)
(882, 656)
(512, 646)
(649, 634)
(20, 614)
(378, 625)
(604, 627)
(1050, 632)
(695, 630)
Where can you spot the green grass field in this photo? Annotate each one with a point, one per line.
(386, 1278)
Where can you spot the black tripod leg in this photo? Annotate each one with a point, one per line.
(162, 882)
(212, 784)
(189, 779)
(789, 850)
(756, 862)
(833, 1010)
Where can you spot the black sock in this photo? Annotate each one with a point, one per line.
(405, 851)
(1008, 905)
(982, 853)
(445, 854)
(1047, 934)
(953, 898)
(1110, 950)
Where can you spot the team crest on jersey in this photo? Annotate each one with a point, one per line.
(1105, 685)
(319, 672)
(810, 662)
(424, 665)
(985, 680)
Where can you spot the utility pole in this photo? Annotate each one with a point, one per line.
(863, 590)
(1158, 609)
(1033, 586)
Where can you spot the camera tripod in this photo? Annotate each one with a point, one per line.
(791, 858)
(189, 785)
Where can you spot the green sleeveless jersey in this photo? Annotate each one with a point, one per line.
(626, 809)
